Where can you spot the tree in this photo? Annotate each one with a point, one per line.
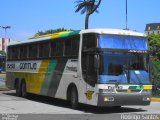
(154, 45)
(88, 7)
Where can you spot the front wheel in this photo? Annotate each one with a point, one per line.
(74, 98)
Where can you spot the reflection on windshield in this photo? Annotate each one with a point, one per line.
(124, 68)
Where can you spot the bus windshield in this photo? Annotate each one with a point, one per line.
(124, 68)
(122, 42)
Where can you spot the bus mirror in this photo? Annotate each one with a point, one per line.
(96, 62)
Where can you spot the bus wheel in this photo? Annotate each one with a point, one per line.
(24, 92)
(18, 89)
(74, 98)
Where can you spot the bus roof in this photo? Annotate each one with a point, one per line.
(76, 32)
(113, 31)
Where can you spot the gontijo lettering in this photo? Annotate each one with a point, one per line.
(28, 66)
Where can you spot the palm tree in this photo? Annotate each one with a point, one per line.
(88, 7)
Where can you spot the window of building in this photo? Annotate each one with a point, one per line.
(149, 28)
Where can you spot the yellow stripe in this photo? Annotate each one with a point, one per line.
(57, 35)
(38, 79)
(147, 87)
(34, 81)
(54, 35)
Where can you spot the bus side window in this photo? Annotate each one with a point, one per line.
(59, 48)
(44, 50)
(17, 52)
(71, 46)
(9, 53)
(89, 41)
(53, 49)
(88, 71)
(33, 51)
(75, 46)
(13, 53)
(23, 52)
(67, 47)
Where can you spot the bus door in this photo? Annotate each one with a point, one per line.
(90, 77)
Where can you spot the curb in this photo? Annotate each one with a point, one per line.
(155, 99)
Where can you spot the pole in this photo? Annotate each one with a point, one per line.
(5, 29)
(126, 14)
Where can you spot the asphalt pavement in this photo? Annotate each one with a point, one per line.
(45, 108)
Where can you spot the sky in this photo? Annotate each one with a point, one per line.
(27, 17)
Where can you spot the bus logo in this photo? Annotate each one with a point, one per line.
(89, 94)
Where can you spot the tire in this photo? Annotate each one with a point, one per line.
(23, 89)
(74, 98)
(18, 89)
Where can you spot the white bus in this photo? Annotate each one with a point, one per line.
(99, 67)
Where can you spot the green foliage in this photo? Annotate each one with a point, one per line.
(156, 72)
(51, 31)
(154, 45)
(88, 7)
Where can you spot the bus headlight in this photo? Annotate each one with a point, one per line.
(146, 99)
(108, 99)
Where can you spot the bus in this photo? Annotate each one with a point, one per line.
(98, 67)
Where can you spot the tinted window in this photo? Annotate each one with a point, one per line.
(89, 41)
(33, 50)
(23, 52)
(44, 50)
(53, 48)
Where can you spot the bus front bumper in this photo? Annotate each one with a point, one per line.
(123, 99)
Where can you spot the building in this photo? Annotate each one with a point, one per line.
(4, 43)
(152, 28)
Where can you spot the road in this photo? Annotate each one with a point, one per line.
(44, 108)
